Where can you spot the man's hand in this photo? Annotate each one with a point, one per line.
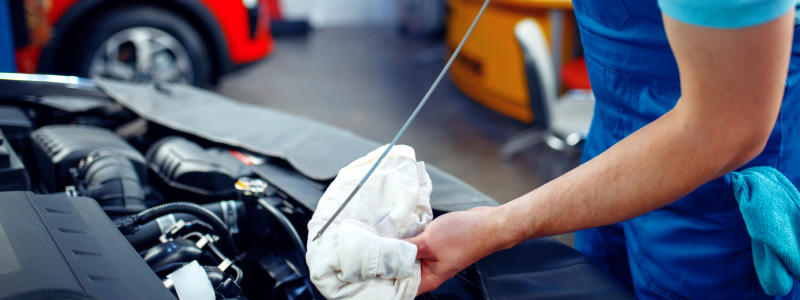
(452, 243)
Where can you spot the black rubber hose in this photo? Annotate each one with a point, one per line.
(147, 234)
(190, 208)
(200, 226)
(219, 255)
(238, 280)
(298, 242)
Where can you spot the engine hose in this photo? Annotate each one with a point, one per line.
(219, 254)
(190, 208)
(197, 224)
(298, 242)
(238, 279)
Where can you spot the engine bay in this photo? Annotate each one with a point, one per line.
(120, 190)
(185, 187)
(177, 202)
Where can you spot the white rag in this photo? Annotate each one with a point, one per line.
(361, 256)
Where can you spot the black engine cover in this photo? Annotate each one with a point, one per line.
(55, 245)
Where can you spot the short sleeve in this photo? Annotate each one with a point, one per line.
(726, 13)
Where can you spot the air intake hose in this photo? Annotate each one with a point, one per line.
(110, 178)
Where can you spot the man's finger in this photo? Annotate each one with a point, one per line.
(428, 284)
(425, 282)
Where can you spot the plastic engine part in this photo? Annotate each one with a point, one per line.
(60, 147)
(184, 166)
(222, 282)
(179, 251)
(13, 176)
(17, 127)
(14, 122)
(110, 178)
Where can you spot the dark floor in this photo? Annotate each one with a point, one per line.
(369, 80)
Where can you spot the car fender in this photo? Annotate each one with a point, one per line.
(193, 10)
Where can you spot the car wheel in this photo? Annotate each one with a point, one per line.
(144, 44)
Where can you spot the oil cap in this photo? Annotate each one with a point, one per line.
(250, 189)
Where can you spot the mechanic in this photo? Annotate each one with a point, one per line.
(686, 92)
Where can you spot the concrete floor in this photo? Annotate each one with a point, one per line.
(369, 80)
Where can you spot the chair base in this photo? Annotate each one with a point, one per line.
(534, 136)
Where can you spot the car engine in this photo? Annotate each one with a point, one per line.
(142, 218)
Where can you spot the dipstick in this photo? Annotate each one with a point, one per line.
(413, 115)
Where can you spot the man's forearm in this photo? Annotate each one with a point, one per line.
(651, 168)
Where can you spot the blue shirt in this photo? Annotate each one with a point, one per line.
(697, 247)
(725, 14)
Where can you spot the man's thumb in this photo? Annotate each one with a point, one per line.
(422, 248)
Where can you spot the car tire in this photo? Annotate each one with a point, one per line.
(136, 23)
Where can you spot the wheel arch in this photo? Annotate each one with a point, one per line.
(71, 23)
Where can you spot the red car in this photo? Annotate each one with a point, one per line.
(191, 41)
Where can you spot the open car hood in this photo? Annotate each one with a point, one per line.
(316, 150)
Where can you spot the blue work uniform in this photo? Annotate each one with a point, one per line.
(697, 247)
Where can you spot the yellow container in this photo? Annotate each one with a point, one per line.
(490, 67)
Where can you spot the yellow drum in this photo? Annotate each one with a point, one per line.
(490, 67)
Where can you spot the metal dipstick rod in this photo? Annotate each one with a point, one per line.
(402, 130)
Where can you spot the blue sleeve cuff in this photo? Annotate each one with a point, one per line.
(726, 14)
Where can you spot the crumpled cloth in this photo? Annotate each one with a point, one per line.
(770, 205)
(361, 256)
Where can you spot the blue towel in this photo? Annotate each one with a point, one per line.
(770, 205)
